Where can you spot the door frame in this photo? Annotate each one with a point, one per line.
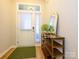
(17, 10)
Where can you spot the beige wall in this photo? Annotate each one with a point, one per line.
(67, 10)
(13, 21)
(7, 18)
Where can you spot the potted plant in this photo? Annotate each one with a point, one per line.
(51, 29)
(44, 28)
(47, 28)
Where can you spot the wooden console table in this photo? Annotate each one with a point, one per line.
(52, 46)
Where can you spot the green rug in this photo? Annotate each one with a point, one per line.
(23, 52)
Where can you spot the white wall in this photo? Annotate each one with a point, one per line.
(6, 22)
(67, 10)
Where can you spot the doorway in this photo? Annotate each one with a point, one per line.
(28, 25)
(26, 36)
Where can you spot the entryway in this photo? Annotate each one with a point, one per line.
(28, 27)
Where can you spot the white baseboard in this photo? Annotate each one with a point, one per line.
(2, 54)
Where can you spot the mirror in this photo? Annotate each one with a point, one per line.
(53, 22)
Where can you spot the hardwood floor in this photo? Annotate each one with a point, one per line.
(39, 54)
(7, 54)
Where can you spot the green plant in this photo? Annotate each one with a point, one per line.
(44, 27)
(51, 28)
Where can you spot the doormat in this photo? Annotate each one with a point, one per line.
(23, 52)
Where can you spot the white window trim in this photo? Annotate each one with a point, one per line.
(17, 6)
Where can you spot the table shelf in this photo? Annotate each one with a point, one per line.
(51, 44)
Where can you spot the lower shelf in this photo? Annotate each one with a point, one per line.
(57, 53)
(46, 54)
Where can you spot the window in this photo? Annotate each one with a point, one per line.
(25, 21)
(37, 28)
(28, 7)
